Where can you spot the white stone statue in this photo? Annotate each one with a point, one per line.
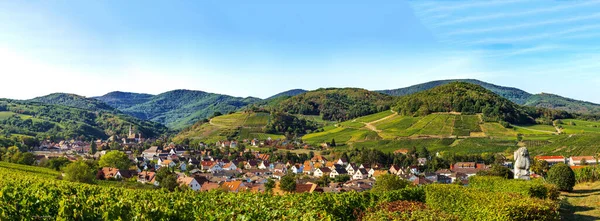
(522, 164)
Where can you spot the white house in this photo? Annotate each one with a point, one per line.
(324, 171)
(229, 166)
(297, 169)
(342, 161)
(360, 174)
(190, 182)
(337, 171)
(263, 166)
(351, 168)
(580, 160)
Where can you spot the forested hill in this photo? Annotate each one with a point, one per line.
(552, 101)
(336, 104)
(515, 95)
(24, 118)
(122, 100)
(180, 108)
(289, 93)
(462, 97)
(72, 100)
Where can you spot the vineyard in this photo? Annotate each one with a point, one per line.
(27, 195)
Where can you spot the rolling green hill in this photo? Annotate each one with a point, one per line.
(235, 126)
(465, 98)
(121, 100)
(561, 103)
(72, 100)
(336, 104)
(176, 109)
(517, 96)
(289, 93)
(23, 118)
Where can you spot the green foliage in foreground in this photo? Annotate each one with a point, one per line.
(562, 176)
(478, 204)
(533, 188)
(27, 195)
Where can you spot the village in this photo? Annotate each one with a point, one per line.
(204, 170)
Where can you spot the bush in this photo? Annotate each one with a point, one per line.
(562, 176)
(477, 204)
(405, 210)
(586, 174)
(530, 188)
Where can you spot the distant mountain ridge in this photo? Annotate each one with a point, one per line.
(176, 109)
(515, 95)
(121, 100)
(289, 93)
(73, 100)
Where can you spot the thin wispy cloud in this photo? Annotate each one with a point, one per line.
(511, 40)
(594, 16)
(505, 15)
(454, 6)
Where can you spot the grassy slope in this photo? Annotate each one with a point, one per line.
(246, 124)
(438, 133)
(583, 203)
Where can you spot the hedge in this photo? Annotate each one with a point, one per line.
(531, 188)
(479, 204)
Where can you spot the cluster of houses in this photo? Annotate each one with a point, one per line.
(206, 173)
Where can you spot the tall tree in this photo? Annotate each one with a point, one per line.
(93, 147)
(116, 159)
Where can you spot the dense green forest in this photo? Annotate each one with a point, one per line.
(289, 93)
(180, 108)
(24, 118)
(281, 123)
(121, 100)
(73, 100)
(336, 104)
(465, 98)
(561, 103)
(515, 95)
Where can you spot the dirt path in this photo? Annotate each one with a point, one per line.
(541, 131)
(372, 127)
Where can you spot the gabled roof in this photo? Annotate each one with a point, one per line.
(185, 180)
(579, 158)
(232, 185)
(549, 157)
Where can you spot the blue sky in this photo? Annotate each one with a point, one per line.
(265, 47)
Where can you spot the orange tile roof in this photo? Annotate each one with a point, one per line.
(549, 157)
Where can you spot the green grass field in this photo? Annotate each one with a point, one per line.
(5, 115)
(583, 203)
(465, 124)
(535, 129)
(497, 130)
(572, 126)
(257, 120)
(374, 117)
(230, 120)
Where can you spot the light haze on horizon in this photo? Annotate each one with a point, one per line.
(236, 48)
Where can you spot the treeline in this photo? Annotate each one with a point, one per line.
(281, 123)
(465, 98)
(61, 122)
(336, 104)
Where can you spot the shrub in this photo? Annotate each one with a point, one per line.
(478, 204)
(562, 176)
(531, 188)
(586, 174)
(405, 210)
